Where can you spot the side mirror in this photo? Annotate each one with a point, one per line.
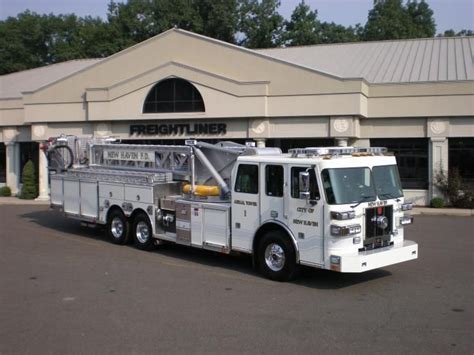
(304, 185)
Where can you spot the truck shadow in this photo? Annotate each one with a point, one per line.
(308, 277)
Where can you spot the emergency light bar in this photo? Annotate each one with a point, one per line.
(334, 151)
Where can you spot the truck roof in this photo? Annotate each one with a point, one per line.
(322, 161)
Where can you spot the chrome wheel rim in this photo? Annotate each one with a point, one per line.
(142, 232)
(275, 257)
(116, 227)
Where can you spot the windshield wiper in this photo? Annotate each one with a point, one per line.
(387, 195)
(365, 198)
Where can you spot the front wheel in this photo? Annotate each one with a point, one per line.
(142, 233)
(277, 257)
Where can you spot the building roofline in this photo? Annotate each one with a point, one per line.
(362, 42)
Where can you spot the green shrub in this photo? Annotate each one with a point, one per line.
(437, 202)
(29, 190)
(5, 191)
(458, 193)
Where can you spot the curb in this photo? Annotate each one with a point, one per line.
(17, 201)
(425, 211)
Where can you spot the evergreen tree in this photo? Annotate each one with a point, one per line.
(29, 190)
(219, 18)
(333, 33)
(390, 19)
(303, 27)
(423, 24)
(260, 23)
(452, 33)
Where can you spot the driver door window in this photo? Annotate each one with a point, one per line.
(313, 185)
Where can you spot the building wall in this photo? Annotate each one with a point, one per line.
(255, 96)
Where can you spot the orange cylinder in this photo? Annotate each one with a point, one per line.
(202, 190)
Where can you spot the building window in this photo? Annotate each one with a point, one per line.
(3, 164)
(461, 157)
(247, 179)
(173, 95)
(412, 159)
(274, 180)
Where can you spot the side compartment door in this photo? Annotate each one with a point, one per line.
(245, 206)
(306, 219)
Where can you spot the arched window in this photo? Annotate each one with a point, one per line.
(173, 95)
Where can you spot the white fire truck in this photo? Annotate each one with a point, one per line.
(336, 208)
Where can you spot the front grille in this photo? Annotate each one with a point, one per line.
(376, 236)
(373, 228)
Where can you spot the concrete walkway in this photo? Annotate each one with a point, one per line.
(416, 211)
(18, 201)
(442, 211)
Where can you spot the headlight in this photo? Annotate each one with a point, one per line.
(406, 220)
(407, 206)
(343, 215)
(341, 231)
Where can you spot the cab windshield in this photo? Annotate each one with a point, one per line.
(357, 185)
(387, 182)
(348, 185)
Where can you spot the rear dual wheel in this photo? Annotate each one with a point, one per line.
(120, 230)
(118, 227)
(142, 232)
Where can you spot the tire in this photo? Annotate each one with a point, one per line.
(276, 257)
(142, 233)
(118, 227)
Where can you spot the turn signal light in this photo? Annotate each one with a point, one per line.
(342, 231)
(406, 220)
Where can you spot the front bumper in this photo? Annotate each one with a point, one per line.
(377, 258)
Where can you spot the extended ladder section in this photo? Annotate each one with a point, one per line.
(336, 151)
(132, 157)
(127, 177)
(196, 162)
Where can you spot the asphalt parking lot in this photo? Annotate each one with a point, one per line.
(65, 290)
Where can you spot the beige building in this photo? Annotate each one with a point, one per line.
(414, 96)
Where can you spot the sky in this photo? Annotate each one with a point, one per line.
(449, 14)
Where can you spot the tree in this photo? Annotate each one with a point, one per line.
(219, 18)
(452, 33)
(31, 40)
(303, 27)
(23, 42)
(29, 189)
(390, 19)
(260, 23)
(423, 24)
(333, 33)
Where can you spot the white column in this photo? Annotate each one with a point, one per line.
(358, 142)
(260, 142)
(13, 176)
(341, 142)
(43, 177)
(438, 157)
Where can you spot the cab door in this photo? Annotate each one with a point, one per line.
(272, 183)
(245, 205)
(306, 216)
